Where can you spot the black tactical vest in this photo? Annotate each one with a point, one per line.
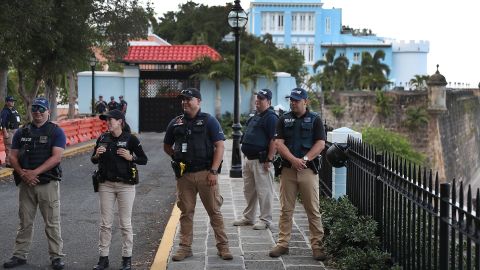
(13, 120)
(192, 144)
(298, 133)
(255, 133)
(35, 148)
(112, 166)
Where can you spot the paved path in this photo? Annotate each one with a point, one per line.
(249, 247)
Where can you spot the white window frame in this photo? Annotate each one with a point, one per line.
(356, 56)
(310, 22)
(303, 22)
(294, 22)
(264, 21)
(310, 53)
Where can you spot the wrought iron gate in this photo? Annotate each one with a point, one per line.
(158, 98)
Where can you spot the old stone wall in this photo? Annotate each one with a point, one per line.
(459, 129)
(459, 126)
(360, 112)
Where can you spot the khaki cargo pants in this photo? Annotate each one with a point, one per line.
(47, 198)
(304, 182)
(187, 188)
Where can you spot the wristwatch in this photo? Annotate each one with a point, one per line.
(305, 158)
(214, 172)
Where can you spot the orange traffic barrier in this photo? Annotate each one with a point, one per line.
(76, 131)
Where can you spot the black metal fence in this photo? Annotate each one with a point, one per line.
(423, 223)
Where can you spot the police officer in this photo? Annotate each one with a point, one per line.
(195, 139)
(37, 150)
(10, 121)
(122, 105)
(116, 152)
(258, 146)
(300, 138)
(101, 106)
(112, 105)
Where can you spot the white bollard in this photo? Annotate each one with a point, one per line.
(339, 175)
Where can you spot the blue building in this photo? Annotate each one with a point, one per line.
(307, 26)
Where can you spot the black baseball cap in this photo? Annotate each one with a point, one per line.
(190, 92)
(9, 98)
(116, 114)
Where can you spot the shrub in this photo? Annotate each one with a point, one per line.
(227, 120)
(350, 239)
(416, 116)
(383, 104)
(394, 143)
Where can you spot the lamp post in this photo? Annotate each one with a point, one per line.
(93, 63)
(237, 19)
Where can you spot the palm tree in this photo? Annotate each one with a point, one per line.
(373, 73)
(328, 71)
(216, 71)
(419, 81)
(254, 66)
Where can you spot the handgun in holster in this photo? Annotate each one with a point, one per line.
(178, 168)
(314, 165)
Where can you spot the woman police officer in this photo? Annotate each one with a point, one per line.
(116, 153)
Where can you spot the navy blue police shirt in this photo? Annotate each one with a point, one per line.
(270, 124)
(214, 130)
(58, 137)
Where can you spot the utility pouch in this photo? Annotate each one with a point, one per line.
(96, 180)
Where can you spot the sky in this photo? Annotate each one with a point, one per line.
(449, 26)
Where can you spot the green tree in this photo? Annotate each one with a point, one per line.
(419, 82)
(393, 143)
(328, 72)
(254, 66)
(373, 72)
(383, 104)
(416, 116)
(217, 71)
(45, 39)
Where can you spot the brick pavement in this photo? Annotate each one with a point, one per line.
(249, 247)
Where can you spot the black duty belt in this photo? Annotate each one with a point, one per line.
(252, 157)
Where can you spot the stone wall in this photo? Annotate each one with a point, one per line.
(360, 112)
(459, 126)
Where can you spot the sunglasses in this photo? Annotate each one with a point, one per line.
(36, 108)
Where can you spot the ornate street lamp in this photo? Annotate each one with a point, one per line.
(237, 19)
(93, 62)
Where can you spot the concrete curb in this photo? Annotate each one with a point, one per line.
(163, 252)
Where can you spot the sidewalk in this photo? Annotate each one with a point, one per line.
(249, 247)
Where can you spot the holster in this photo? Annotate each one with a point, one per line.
(95, 180)
(277, 165)
(178, 168)
(314, 165)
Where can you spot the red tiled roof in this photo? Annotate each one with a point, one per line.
(169, 54)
